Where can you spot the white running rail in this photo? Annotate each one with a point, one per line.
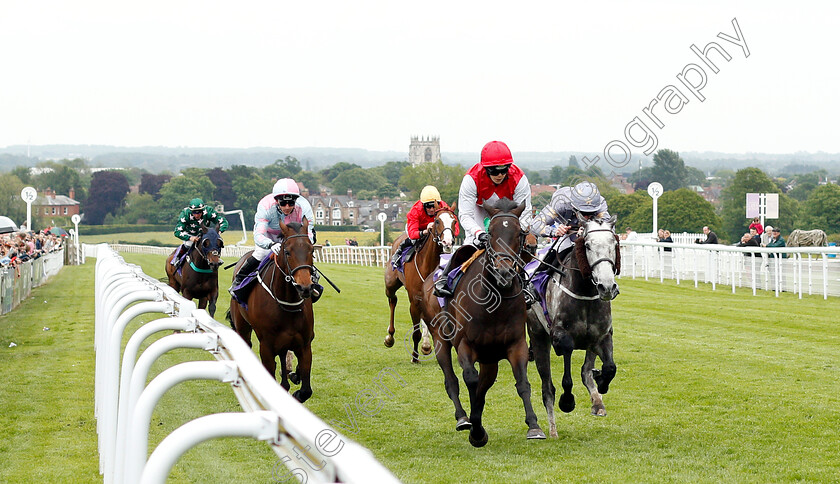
(124, 403)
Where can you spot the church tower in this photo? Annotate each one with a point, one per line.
(424, 150)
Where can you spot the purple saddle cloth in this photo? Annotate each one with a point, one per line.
(540, 280)
(451, 278)
(246, 281)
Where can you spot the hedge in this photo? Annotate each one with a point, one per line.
(119, 229)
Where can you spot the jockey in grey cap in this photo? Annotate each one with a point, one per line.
(563, 211)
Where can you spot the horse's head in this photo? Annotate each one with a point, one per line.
(506, 239)
(598, 256)
(210, 245)
(445, 228)
(297, 256)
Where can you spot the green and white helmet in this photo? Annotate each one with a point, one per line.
(196, 204)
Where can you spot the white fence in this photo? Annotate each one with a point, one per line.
(801, 270)
(124, 403)
(338, 254)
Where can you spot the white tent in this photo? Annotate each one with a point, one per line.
(6, 225)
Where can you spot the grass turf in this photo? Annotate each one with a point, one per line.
(711, 386)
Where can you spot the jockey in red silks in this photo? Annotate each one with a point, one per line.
(421, 218)
(493, 178)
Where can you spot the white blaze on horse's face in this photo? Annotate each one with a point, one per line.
(447, 237)
(600, 252)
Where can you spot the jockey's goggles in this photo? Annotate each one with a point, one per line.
(286, 200)
(429, 205)
(497, 170)
(198, 212)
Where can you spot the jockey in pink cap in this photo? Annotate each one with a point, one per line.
(284, 203)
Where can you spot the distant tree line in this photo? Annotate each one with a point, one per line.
(806, 201)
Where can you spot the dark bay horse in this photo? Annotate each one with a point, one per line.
(580, 316)
(199, 277)
(416, 271)
(485, 323)
(279, 308)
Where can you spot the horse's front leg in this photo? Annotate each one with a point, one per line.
(304, 371)
(211, 300)
(416, 333)
(443, 354)
(392, 303)
(586, 374)
(541, 346)
(267, 356)
(564, 344)
(518, 357)
(466, 358)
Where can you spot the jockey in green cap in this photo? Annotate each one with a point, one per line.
(191, 220)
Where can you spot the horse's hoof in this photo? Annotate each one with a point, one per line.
(535, 434)
(567, 402)
(599, 412)
(463, 424)
(415, 360)
(426, 349)
(389, 341)
(294, 378)
(479, 442)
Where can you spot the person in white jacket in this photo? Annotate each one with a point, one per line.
(493, 178)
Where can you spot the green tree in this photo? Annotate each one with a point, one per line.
(573, 162)
(392, 171)
(695, 176)
(447, 179)
(138, 209)
(357, 179)
(534, 177)
(151, 184)
(624, 205)
(802, 191)
(60, 178)
(678, 211)
(669, 169)
(640, 179)
(249, 191)
(822, 209)
(734, 198)
(177, 192)
(224, 187)
(22, 172)
(11, 205)
(310, 180)
(332, 172)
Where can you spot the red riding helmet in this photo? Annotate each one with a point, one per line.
(496, 153)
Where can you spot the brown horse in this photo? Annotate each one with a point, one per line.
(485, 322)
(199, 276)
(416, 271)
(279, 308)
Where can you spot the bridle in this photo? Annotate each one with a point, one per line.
(288, 275)
(494, 257)
(436, 237)
(203, 254)
(603, 259)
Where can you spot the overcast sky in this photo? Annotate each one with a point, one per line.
(541, 76)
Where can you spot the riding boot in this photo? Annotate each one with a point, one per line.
(441, 287)
(403, 245)
(317, 289)
(530, 293)
(177, 257)
(248, 267)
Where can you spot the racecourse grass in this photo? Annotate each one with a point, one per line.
(711, 387)
(231, 237)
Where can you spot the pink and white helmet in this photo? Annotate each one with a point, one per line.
(285, 186)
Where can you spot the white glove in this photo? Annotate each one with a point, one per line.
(276, 248)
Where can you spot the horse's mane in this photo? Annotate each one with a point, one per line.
(583, 262)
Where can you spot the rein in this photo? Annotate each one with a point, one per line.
(197, 247)
(516, 259)
(436, 237)
(288, 275)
